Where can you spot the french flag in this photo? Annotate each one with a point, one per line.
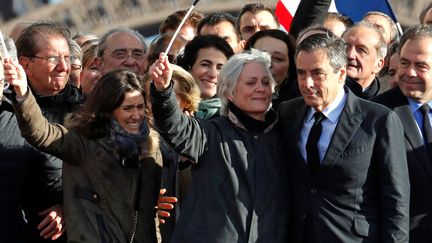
(285, 9)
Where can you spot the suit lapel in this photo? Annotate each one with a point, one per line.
(297, 125)
(412, 133)
(349, 121)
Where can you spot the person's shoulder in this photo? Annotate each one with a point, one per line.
(391, 98)
(370, 110)
(368, 105)
(290, 104)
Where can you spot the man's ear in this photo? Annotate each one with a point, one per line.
(342, 74)
(379, 64)
(25, 63)
(242, 44)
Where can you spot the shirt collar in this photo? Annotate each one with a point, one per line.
(414, 106)
(333, 111)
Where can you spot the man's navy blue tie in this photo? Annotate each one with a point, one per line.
(427, 129)
(313, 159)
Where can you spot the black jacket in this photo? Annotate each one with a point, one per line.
(372, 91)
(419, 165)
(361, 191)
(17, 158)
(44, 188)
(238, 191)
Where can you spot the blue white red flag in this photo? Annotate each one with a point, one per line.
(285, 9)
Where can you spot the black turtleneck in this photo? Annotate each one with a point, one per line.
(357, 89)
(251, 124)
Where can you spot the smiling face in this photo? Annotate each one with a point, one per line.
(317, 80)
(123, 50)
(206, 69)
(278, 51)
(130, 114)
(415, 69)
(48, 78)
(253, 91)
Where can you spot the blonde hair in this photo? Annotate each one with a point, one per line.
(186, 88)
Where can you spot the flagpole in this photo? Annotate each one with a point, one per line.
(399, 27)
(180, 26)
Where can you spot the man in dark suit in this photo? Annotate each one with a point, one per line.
(414, 94)
(349, 171)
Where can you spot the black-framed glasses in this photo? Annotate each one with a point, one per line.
(54, 60)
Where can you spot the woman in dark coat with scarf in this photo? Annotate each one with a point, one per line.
(238, 190)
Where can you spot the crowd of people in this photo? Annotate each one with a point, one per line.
(242, 132)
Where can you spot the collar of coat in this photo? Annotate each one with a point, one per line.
(243, 121)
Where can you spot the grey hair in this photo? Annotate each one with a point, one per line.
(416, 32)
(102, 42)
(334, 48)
(381, 48)
(231, 70)
(75, 50)
(394, 32)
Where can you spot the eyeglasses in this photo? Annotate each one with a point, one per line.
(55, 60)
(122, 54)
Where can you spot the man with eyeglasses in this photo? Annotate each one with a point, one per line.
(17, 158)
(43, 52)
(122, 48)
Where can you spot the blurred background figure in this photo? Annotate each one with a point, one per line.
(390, 78)
(254, 17)
(160, 44)
(76, 66)
(188, 30)
(426, 15)
(81, 37)
(281, 48)
(18, 28)
(225, 26)
(337, 23)
(90, 73)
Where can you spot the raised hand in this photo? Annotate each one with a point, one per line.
(161, 72)
(16, 76)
